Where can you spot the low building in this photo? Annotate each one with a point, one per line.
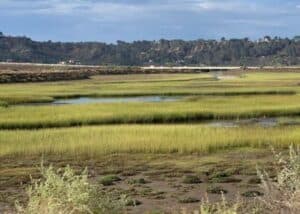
(62, 63)
(70, 62)
(297, 39)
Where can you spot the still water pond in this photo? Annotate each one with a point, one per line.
(88, 100)
(263, 122)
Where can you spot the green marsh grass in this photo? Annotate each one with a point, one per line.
(141, 85)
(194, 110)
(102, 140)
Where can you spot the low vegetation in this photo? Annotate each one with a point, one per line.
(63, 191)
(222, 207)
(154, 153)
(191, 179)
(203, 98)
(255, 84)
(109, 180)
(3, 104)
(205, 108)
(183, 139)
(280, 195)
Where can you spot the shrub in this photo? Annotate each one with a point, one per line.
(216, 190)
(252, 193)
(254, 180)
(64, 192)
(109, 180)
(132, 202)
(219, 175)
(219, 208)
(191, 179)
(283, 196)
(3, 104)
(225, 180)
(188, 200)
(138, 181)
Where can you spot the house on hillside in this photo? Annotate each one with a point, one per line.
(266, 39)
(70, 62)
(62, 62)
(297, 39)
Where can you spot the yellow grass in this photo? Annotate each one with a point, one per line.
(195, 109)
(171, 84)
(95, 141)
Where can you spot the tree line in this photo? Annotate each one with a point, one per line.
(236, 52)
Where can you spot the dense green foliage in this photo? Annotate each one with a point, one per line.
(268, 51)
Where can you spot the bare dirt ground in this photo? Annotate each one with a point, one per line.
(161, 183)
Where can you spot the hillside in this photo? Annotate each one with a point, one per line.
(267, 51)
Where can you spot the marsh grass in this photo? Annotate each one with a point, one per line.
(64, 192)
(201, 109)
(225, 99)
(183, 139)
(143, 85)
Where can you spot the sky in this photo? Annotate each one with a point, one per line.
(129, 20)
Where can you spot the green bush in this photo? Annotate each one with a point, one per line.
(188, 200)
(109, 180)
(191, 179)
(3, 104)
(138, 181)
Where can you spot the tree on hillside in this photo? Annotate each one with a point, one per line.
(235, 52)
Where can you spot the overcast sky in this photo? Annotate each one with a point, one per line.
(128, 20)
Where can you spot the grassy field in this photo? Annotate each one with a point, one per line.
(113, 137)
(158, 139)
(192, 109)
(163, 154)
(251, 95)
(172, 84)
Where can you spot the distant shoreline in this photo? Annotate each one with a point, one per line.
(37, 72)
(149, 67)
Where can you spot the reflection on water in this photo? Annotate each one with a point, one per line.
(263, 122)
(87, 100)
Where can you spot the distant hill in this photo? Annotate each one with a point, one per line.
(235, 52)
